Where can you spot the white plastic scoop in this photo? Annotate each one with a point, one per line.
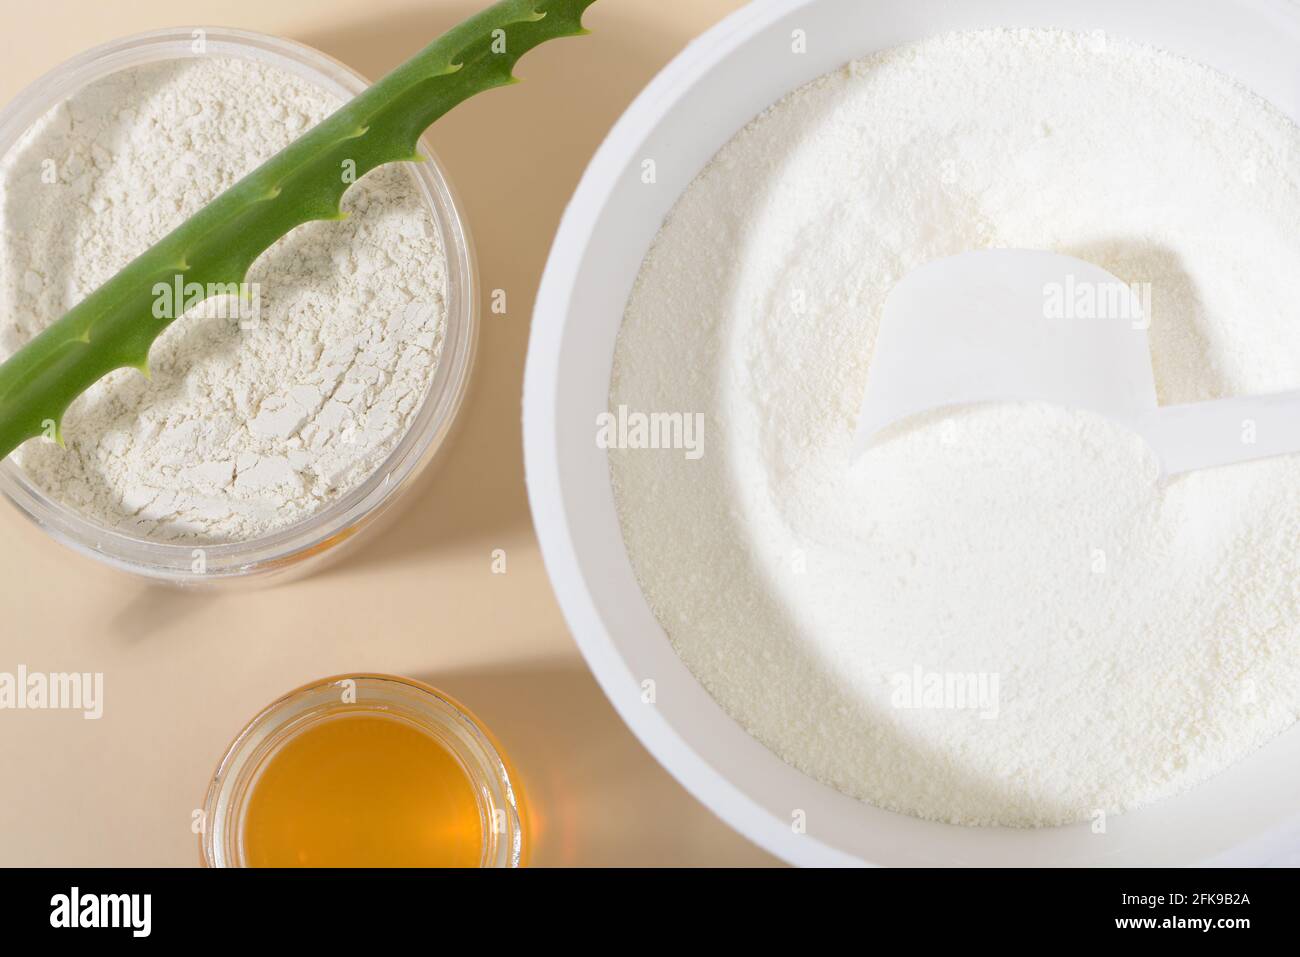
(1010, 325)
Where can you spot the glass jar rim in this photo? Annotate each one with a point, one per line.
(431, 711)
(433, 421)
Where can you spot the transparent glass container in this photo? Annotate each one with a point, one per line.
(305, 545)
(450, 723)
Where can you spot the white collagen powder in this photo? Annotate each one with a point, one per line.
(1119, 640)
(245, 427)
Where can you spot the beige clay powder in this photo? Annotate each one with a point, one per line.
(246, 426)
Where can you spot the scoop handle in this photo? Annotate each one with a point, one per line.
(1200, 435)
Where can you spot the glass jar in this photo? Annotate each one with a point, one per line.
(449, 723)
(305, 545)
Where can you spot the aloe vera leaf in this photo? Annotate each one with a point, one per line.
(115, 326)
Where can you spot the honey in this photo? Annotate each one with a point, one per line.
(362, 789)
(364, 770)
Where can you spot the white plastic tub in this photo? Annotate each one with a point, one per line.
(708, 93)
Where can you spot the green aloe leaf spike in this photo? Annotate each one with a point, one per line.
(115, 326)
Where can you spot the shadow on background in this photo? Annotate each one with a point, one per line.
(587, 779)
(514, 155)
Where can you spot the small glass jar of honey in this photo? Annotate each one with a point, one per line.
(363, 771)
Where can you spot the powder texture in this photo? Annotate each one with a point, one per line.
(246, 427)
(1143, 636)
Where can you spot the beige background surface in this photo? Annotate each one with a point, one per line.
(183, 672)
